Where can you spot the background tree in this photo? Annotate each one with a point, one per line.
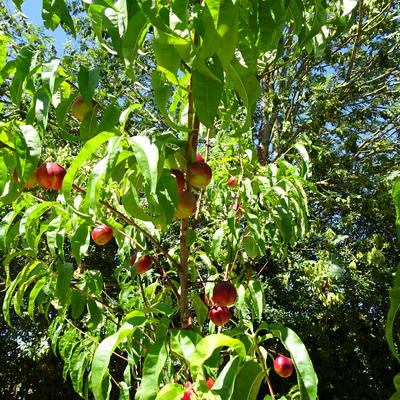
(346, 102)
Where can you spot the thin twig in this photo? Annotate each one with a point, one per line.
(357, 40)
(135, 225)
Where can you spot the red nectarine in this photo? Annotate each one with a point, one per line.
(219, 315)
(144, 264)
(186, 205)
(50, 175)
(232, 181)
(224, 294)
(180, 179)
(102, 234)
(199, 174)
(283, 366)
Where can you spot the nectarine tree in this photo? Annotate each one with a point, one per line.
(128, 184)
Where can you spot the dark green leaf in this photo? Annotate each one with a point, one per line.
(88, 80)
(248, 382)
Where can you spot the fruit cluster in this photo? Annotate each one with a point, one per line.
(224, 295)
(198, 175)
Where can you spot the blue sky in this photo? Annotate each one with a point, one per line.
(33, 10)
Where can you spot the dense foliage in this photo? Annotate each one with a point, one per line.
(289, 97)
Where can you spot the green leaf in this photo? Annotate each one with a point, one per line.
(248, 381)
(152, 368)
(23, 66)
(96, 314)
(395, 396)
(78, 301)
(131, 203)
(3, 177)
(18, 3)
(32, 271)
(257, 298)
(116, 21)
(206, 347)
(133, 39)
(55, 234)
(271, 22)
(123, 119)
(167, 57)
(65, 272)
(225, 383)
(28, 147)
(245, 82)
(171, 391)
(42, 102)
(396, 200)
(183, 343)
(50, 19)
(200, 309)
(62, 110)
(80, 242)
(110, 118)
(225, 19)
(207, 92)
(60, 9)
(250, 246)
(99, 379)
(6, 223)
(162, 95)
(79, 362)
(394, 296)
(306, 376)
(39, 285)
(88, 80)
(22, 277)
(147, 156)
(396, 381)
(31, 216)
(49, 74)
(90, 147)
